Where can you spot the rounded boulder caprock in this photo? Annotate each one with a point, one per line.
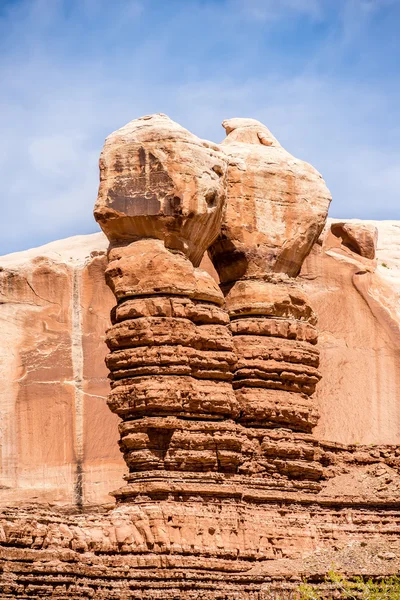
(158, 180)
(276, 205)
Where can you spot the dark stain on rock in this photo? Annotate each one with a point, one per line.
(118, 164)
(173, 206)
(146, 191)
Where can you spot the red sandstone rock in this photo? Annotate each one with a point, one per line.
(158, 180)
(357, 301)
(276, 205)
(229, 494)
(58, 440)
(351, 409)
(359, 238)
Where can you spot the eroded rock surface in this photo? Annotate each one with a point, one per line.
(276, 207)
(158, 180)
(358, 305)
(230, 493)
(173, 366)
(57, 435)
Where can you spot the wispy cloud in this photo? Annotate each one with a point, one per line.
(273, 10)
(73, 71)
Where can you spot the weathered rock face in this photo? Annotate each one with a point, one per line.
(229, 492)
(276, 209)
(356, 340)
(57, 435)
(358, 305)
(158, 180)
(164, 365)
(171, 356)
(359, 238)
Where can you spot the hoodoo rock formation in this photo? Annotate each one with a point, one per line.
(230, 492)
(276, 209)
(171, 349)
(172, 352)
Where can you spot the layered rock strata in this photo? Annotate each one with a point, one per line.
(229, 494)
(276, 209)
(171, 357)
(171, 351)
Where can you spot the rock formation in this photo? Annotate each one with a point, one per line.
(171, 347)
(153, 167)
(54, 310)
(357, 300)
(276, 209)
(230, 491)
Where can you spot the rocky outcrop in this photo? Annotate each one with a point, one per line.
(165, 365)
(170, 356)
(360, 405)
(276, 209)
(358, 237)
(57, 436)
(230, 492)
(357, 300)
(159, 181)
(276, 206)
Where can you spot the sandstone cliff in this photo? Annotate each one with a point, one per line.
(357, 300)
(55, 309)
(57, 434)
(243, 472)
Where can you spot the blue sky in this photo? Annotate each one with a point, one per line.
(323, 75)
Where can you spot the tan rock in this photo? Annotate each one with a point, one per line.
(358, 307)
(147, 268)
(354, 343)
(54, 307)
(140, 173)
(358, 237)
(276, 205)
(171, 356)
(276, 300)
(158, 180)
(229, 493)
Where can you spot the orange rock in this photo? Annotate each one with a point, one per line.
(158, 180)
(276, 206)
(58, 442)
(229, 492)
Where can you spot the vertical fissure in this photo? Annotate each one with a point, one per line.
(77, 373)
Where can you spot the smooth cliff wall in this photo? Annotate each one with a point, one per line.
(358, 306)
(58, 439)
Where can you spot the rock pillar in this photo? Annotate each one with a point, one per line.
(171, 349)
(276, 208)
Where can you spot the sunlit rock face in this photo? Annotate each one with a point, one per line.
(229, 492)
(276, 206)
(250, 359)
(158, 180)
(57, 437)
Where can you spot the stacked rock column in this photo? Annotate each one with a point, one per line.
(171, 363)
(276, 374)
(160, 203)
(276, 207)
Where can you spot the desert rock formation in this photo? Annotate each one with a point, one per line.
(163, 365)
(233, 489)
(358, 305)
